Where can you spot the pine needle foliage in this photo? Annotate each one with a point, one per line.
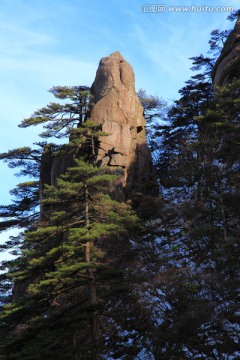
(65, 271)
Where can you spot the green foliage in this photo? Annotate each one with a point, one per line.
(82, 266)
(64, 273)
(56, 265)
(59, 118)
(193, 263)
(154, 107)
(26, 158)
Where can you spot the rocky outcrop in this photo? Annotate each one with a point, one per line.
(228, 64)
(119, 112)
(121, 148)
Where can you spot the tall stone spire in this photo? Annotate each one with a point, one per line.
(123, 150)
(228, 64)
(119, 112)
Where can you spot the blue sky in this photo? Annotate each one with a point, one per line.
(60, 42)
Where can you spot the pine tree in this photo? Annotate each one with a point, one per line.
(58, 118)
(69, 264)
(171, 293)
(189, 254)
(67, 274)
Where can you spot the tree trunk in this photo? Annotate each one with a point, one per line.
(92, 286)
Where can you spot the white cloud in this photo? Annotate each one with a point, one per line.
(60, 66)
(21, 36)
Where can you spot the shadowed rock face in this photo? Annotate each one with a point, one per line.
(119, 112)
(228, 64)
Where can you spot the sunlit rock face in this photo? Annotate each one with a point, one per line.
(227, 66)
(122, 149)
(119, 112)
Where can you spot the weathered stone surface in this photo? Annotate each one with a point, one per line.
(59, 166)
(118, 160)
(52, 167)
(124, 151)
(119, 112)
(228, 64)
